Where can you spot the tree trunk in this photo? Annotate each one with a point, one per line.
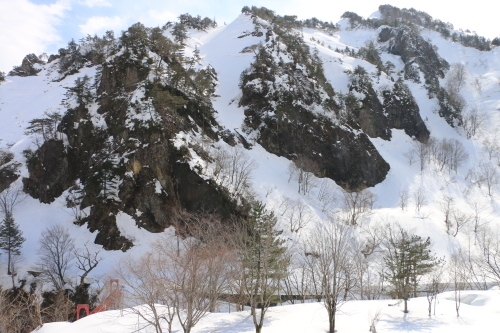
(332, 324)
(9, 272)
(406, 306)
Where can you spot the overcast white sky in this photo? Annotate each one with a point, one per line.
(36, 26)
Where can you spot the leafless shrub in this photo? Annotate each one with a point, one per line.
(18, 311)
(373, 319)
(60, 309)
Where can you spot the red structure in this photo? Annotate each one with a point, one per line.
(109, 303)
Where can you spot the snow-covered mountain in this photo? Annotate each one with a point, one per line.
(114, 137)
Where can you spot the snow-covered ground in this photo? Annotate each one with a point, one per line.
(479, 312)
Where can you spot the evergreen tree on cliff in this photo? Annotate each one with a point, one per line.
(11, 239)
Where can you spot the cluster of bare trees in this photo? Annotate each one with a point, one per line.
(185, 278)
(357, 205)
(52, 294)
(445, 153)
(294, 213)
(479, 261)
(302, 170)
(232, 168)
(183, 283)
(58, 257)
(473, 119)
(487, 174)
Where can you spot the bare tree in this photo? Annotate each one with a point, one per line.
(55, 254)
(357, 205)
(473, 121)
(435, 285)
(491, 147)
(303, 170)
(86, 261)
(458, 155)
(455, 80)
(488, 174)
(233, 168)
(146, 287)
(368, 262)
(198, 274)
(477, 219)
(296, 213)
(332, 248)
(450, 153)
(473, 274)
(183, 280)
(457, 277)
(403, 199)
(327, 197)
(419, 151)
(419, 198)
(297, 281)
(456, 77)
(478, 84)
(460, 220)
(446, 206)
(10, 198)
(489, 245)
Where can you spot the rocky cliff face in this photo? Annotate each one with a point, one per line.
(417, 54)
(28, 66)
(421, 59)
(117, 148)
(118, 155)
(378, 112)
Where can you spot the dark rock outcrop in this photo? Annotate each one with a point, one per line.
(417, 54)
(349, 159)
(398, 109)
(278, 98)
(123, 158)
(27, 67)
(8, 170)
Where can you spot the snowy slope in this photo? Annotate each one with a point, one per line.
(22, 99)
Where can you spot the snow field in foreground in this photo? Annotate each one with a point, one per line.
(479, 312)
